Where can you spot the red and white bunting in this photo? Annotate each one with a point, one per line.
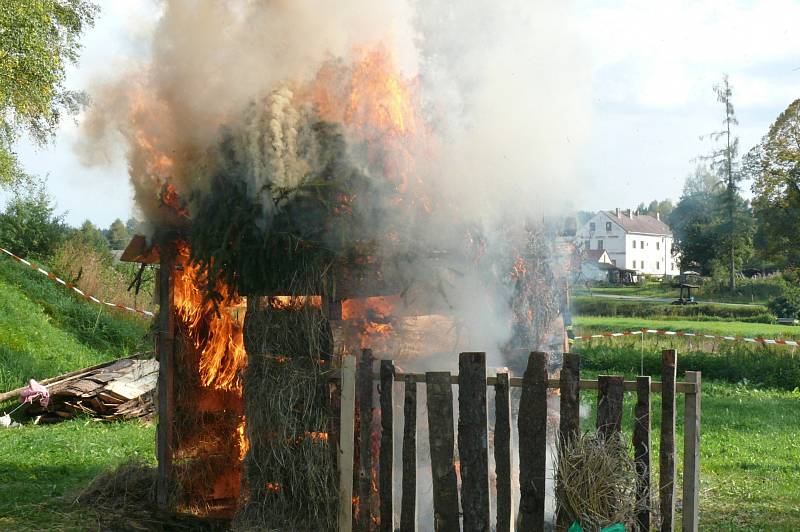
(74, 288)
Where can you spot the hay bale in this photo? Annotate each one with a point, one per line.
(289, 478)
(596, 481)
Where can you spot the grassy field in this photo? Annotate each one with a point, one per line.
(744, 294)
(590, 324)
(750, 456)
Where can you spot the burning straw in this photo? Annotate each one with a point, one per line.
(289, 479)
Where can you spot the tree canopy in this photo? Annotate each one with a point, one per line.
(774, 166)
(38, 39)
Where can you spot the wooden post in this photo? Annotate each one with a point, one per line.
(666, 481)
(440, 431)
(364, 387)
(641, 452)
(610, 394)
(532, 424)
(691, 455)
(166, 368)
(473, 446)
(570, 402)
(387, 444)
(346, 428)
(408, 502)
(502, 451)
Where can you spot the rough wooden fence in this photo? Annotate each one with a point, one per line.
(472, 441)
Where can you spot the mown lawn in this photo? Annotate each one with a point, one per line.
(43, 468)
(592, 324)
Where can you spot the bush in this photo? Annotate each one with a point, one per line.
(29, 225)
(589, 306)
(769, 366)
(786, 305)
(758, 288)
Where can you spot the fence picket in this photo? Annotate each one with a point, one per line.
(502, 451)
(408, 501)
(532, 423)
(346, 430)
(609, 404)
(364, 387)
(691, 455)
(641, 452)
(666, 481)
(473, 449)
(439, 393)
(386, 459)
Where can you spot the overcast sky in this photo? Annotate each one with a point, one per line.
(653, 66)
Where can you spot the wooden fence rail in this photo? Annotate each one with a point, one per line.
(469, 508)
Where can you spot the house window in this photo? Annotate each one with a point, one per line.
(643, 265)
(608, 227)
(634, 265)
(641, 244)
(599, 244)
(592, 226)
(658, 265)
(658, 245)
(634, 244)
(587, 244)
(671, 265)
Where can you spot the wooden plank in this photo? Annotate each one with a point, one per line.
(364, 391)
(641, 452)
(439, 393)
(691, 456)
(609, 405)
(166, 356)
(408, 501)
(532, 423)
(666, 481)
(502, 451)
(386, 459)
(473, 446)
(570, 402)
(569, 384)
(346, 444)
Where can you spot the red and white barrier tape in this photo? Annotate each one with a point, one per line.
(768, 341)
(74, 288)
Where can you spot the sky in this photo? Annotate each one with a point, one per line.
(652, 67)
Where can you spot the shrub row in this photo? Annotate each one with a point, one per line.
(769, 366)
(595, 306)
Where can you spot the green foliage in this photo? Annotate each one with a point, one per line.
(38, 39)
(89, 236)
(587, 306)
(29, 225)
(118, 236)
(786, 305)
(592, 324)
(768, 366)
(702, 224)
(774, 166)
(46, 330)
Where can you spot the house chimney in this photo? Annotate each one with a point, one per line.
(617, 212)
(630, 214)
(658, 216)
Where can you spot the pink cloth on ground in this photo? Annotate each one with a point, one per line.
(35, 391)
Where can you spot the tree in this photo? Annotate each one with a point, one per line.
(723, 161)
(117, 234)
(29, 225)
(700, 224)
(38, 39)
(774, 166)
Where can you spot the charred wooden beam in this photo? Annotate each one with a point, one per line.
(473, 444)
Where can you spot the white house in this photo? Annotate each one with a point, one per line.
(633, 241)
(594, 264)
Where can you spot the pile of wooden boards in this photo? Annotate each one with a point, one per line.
(121, 389)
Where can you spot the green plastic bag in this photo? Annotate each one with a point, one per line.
(619, 527)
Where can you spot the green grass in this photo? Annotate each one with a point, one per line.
(45, 330)
(745, 292)
(590, 324)
(42, 468)
(597, 306)
(749, 459)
